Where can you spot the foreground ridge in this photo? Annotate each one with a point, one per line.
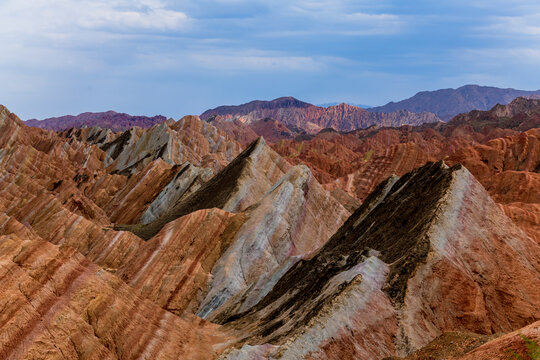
(410, 255)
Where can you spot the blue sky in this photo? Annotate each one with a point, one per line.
(150, 57)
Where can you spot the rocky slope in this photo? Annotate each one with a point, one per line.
(393, 267)
(524, 342)
(74, 209)
(493, 145)
(332, 154)
(446, 103)
(56, 304)
(311, 119)
(110, 120)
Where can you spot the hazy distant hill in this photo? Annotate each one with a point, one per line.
(446, 103)
(110, 119)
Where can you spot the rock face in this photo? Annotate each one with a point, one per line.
(509, 169)
(188, 140)
(332, 154)
(243, 182)
(521, 114)
(447, 103)
(58, 304)
(311, 119)
(391, 268)
(231, 261)
(239, 131)
(110, 120)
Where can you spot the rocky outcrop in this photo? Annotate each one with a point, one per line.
(521, 114)
(248, 256)
(216, 263)
(399, 159)
(110, 120)
(410, 255)
(280, 230)
(332, 154)
(239, 131)
(489, 144)
(509, 169)
(241, 184)
(188, 140)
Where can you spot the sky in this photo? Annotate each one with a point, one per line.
(148, 57)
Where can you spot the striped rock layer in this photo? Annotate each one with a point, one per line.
(170, 243)
(425, 254)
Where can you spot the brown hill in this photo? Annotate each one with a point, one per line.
(409, 255)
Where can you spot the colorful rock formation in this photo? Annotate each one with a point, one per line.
(173, 243)
(410, 255)
(311, 119)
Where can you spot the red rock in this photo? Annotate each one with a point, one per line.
(57, 304)
(259, 247)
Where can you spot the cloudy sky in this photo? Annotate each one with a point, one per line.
(150, 57)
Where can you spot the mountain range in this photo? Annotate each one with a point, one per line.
(110, 119)
(294, 113)
(446, 103)
(301, 117)
(199, 239)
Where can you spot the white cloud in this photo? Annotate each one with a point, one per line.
(525, 24)
(496, 57)
(240, 60)
(46, 17)
(40, 35)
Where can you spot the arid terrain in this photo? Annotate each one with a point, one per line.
(272, 230)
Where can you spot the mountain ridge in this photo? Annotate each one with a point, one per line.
(108, 119)
(447, 103)
(310, 118)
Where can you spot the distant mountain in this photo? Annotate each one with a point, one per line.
(447, 103)
(521, 114)
(110, 120)
(312, 119)
(337, 103)
(244, 109)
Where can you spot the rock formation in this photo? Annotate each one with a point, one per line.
(171, 242)
(311, 119)
(58, 304)
(489, 143)
(410, 255)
